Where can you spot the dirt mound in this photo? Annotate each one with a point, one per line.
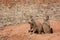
(20, 32)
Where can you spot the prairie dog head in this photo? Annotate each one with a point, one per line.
(46, 18)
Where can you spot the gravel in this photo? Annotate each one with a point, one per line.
(21, 13)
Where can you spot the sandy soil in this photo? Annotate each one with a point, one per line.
(20, 32)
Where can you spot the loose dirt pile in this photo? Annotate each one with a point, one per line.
(20, 32)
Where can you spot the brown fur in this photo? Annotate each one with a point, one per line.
(46, 25)
(40, 28)
(36, 26)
